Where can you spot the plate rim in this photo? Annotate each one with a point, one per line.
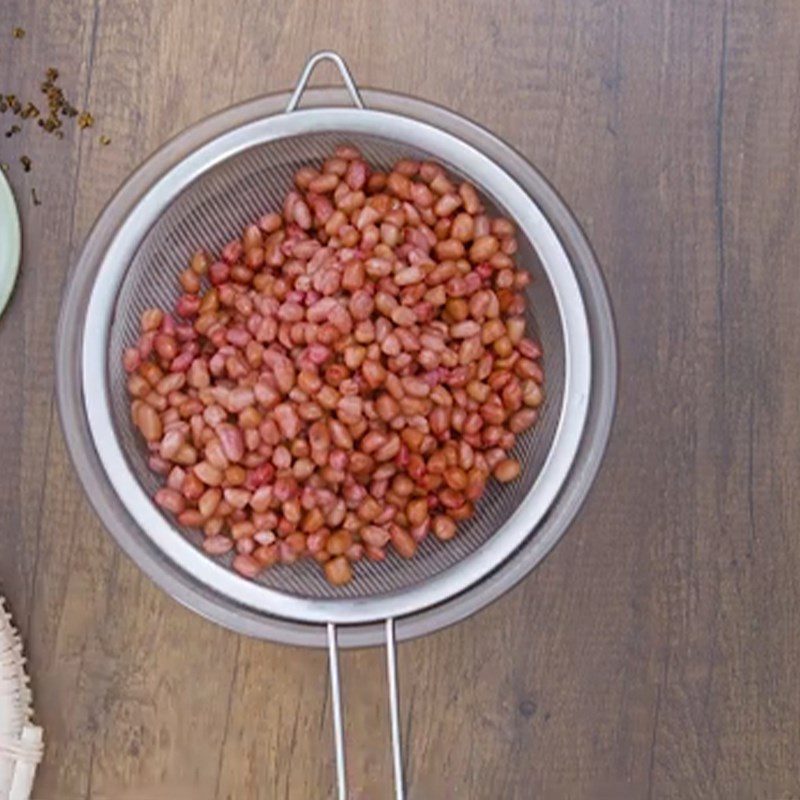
(10, 254)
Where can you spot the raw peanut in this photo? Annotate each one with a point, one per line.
(532, 394)
(462, 227)
(200, 262)
(421, 195)
(506, 470)
(171, 443)
(170, 383)
(231, 441)
(399, 185)
(235, 475)
(444, 527)
(158, 465)
(456, 478)
(404, 317)
(359, 362)
(409, 276)
(270, 223)
(214, 526)
(416, 387)
(417, 511)
(465, 329)
(217, 545)
(440, 184)
(238, 498)
(339, 542)
(166, 346)
(131, 359)
(175, 478)
(335, 166)
(338, 571)
(347, 152)
(242, 530)
(149, 423)
(211, 476)
(403, 542)
(287, 420)
(449, 249)
(208, 502)
(529, 349)
(138, 386)
(483, 248)
(372, 441)
(151, 319)
(267, 555)
(246, 566)
(324, 184)
(373, 372)
(447, 204)
(190, 281)
(374, 535)
(349, 410)
(462, 512)
(170, 500)
(361, 305)
(389, 450)
(245, 545)
(353, 276)
(522, 420)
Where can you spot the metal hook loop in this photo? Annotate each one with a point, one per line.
(302, 81)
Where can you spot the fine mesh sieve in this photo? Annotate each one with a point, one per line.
(203, 199)
(210, 212)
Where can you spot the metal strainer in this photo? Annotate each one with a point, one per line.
(211, 181)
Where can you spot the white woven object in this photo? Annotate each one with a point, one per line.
(21, 744)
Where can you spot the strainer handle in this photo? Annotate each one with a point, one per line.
(302, 81)
(394, 711)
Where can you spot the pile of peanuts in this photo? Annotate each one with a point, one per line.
(347, 376)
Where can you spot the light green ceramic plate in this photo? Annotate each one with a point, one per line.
(9, 242)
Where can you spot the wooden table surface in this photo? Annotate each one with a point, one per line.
(654, 654)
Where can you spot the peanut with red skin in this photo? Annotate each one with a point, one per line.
(354, 374)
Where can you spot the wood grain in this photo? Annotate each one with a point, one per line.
(654, 654)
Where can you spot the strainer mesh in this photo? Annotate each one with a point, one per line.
(213, 210)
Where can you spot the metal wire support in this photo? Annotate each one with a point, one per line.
(336, 704)
(394, 711)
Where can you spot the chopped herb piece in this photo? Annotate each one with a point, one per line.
(105, 140)
(26, 163)
(52, 119)
(18, 33)
(12, 130)
(30, 110)
(36, 200)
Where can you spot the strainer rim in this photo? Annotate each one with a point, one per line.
(325, 616)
